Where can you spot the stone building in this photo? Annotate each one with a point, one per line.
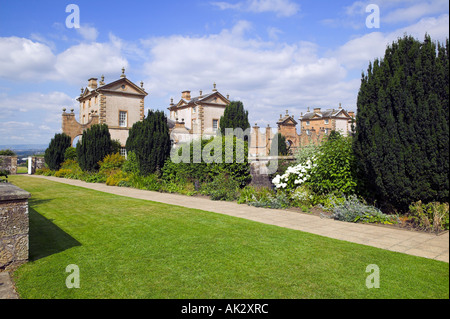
(118, 104)
(326, 121)
(195, 117)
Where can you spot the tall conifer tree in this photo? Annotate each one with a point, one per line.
(150, 141)
(402, 128)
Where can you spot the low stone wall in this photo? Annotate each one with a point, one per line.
(8, 163)
(14, 226)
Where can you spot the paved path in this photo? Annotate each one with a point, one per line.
(405, 241)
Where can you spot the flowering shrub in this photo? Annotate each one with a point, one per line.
(294, 176)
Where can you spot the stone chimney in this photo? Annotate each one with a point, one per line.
(186, 95)
(92, 83)
(317, 110)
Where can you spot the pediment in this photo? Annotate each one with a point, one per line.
(122, 86)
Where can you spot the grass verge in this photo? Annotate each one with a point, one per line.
(130, 248)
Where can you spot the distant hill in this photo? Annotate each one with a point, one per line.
(25, 150)
(24, 147)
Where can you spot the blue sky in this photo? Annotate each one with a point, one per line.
(273, 55)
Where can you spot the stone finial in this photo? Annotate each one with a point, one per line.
(102, 81)
(214, 89)
(142, 84)
(308, 109)
(82, 90)
(340, 105)
(64, 109)
(123, 73)
(201, 92)
(228, 96)
(71, 110)
(171, 101)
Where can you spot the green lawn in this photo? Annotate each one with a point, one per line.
(130, 248)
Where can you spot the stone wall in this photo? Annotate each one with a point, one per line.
(14, 226)
(8, 163)
(36, 163)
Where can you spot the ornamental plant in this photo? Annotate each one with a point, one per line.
(294, 176)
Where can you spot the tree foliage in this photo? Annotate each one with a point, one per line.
(234, 116)
(402, 125)
(93, 146)
(282, 148)
(150, 141)
(54, 154)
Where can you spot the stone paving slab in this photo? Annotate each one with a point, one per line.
(399, 240)
(6, 287)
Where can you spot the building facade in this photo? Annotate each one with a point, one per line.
(196, 117)
(118, 104)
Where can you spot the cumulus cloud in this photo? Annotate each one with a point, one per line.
(264, 75)
(89, 33)
(24, 59)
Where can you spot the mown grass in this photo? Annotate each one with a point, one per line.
(130, 248)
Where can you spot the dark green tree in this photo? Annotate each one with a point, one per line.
(150, 141)
(54, 154)
(93, 146)
(401, 142)
(234, 116)
(282, 147)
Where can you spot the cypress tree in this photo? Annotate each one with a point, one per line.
(93, 146)
(150, 141)
(54, 154)
(234, 116)
(402, 133)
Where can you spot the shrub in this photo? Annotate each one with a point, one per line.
(111, 162)
(94, 145)
(150, 141)
(54, 154)
(131, 165)
(222, 187)
(402, 132)
(433, 216)
(194, 167)
(7, 152)
(334, 167)
(352, 209)
(293, 177)
(70, 153)
(116, 178)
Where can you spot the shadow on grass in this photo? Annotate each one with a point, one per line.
(46, 238)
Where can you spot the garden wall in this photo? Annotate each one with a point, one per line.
(35, 163)
(8, 163)
(14, 226)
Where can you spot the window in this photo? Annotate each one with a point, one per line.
(194, 109)
(123, 152)
(307, 122)
(122, 118)
(327, 121)
(308, 132)
(215, 125)
(327, 130)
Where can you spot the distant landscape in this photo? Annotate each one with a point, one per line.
(25, 150)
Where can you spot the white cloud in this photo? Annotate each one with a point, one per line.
(23, 59)
(282, 8)
(356, 53)
(88, 32)
(266, 76)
